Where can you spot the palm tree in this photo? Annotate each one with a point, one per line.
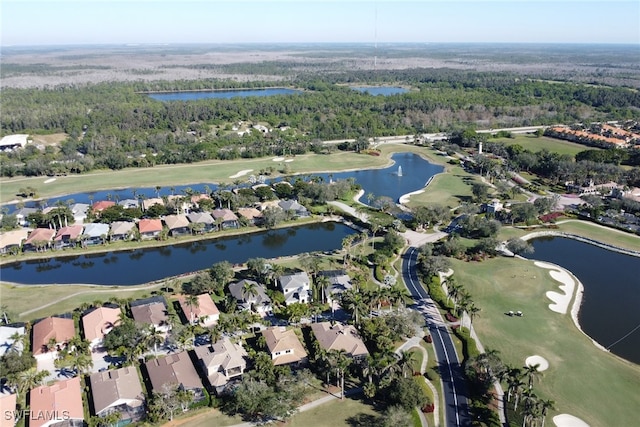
(342, 361)
(249, 290)
(153, 338)
(545, 405)
(322, 284)
(192, 301)
(473, 311)
(405, 361)
(531, 372)
(24, 381)
(81, 364)
(5, 314)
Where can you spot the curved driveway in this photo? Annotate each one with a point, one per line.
(456, 406)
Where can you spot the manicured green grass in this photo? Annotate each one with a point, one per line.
(583, 380)
(450, 189)
(204, 418)
(533, 143)
(336, 413)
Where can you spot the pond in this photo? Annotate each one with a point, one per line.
(415, 172)
(149, 264)
(221, 94)
(609, 309)
(380, 90)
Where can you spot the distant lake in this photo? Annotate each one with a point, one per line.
(144, 265)
(611, 296)
(380, 90)
(221, 94)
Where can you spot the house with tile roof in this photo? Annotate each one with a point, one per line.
(295, 287)
(221, 361)
(50, 335)
(258, 301)
(98, 323)
(40, 238)
(12, 240)
(226, 218)
(129, 203)
(122, 230)
(98, 207)
(252, 215)
(339, 281)
(149, 228)
(174, 370)
(151, 311)
(204, 218)
(59, 404)
(339, 337)
(204, 312)
(118, 390)
(178, 225)
(293, 206)
(79, 212)
(95, 233)
(284, 346)
(147, 203)
(67, 236)
(8, 405)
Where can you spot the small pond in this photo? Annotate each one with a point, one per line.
(380, 90)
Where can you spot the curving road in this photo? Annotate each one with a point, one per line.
(456, 408)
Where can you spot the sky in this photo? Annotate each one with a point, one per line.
(63, 22)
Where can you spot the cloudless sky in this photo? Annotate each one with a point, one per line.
(50, 22)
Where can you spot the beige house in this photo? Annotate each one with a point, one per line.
(147, 203)
(121, 230)
(222, 361)
(252, 215)
(178, 225)
(339, 337)
(39, 238)
(151, 311)
(57, 405)
(284, 346)
(13, 239)
(118, 390)
(51, 335)
(99, 323)
(204, 311)
(174, 370)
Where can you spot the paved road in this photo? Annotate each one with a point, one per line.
(456, 411)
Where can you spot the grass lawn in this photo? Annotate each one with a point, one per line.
(450, 188)
(533, 143)
(583, 380)
(336, 413)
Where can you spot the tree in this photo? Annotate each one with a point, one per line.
(405, 360)
(532, 372)
(519, 246)
(406, 392)
(272, 216)
(192, 302)
(221, 273)
(395, 416)
(153, 337)
(249, 290)
(480, 191)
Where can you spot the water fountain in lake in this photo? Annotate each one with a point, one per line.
(399, 170)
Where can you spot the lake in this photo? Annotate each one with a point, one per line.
(138, 266)
(221, 94)
(611, 299)
(380, 90)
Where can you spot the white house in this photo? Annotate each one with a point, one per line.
(295, 287)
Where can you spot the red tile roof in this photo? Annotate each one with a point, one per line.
(60, 401)
(150, 225)
(102, 205)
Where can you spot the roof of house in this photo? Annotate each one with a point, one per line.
(176, 221)
(222, 353)
(129, 203)
(150, 225)
(154, 313)
(279, 339)
(108, 387)
(249, 213)
(197, 197)
(102, 205)
(224, 214)
(8, 405)
(236, 289)
(51, 327)
(203, 217)
(13, 237)
(121, 227)
(96, 229)
(291, 205)
(70, 232)
(64, 398)
(15, 139)
(79, 208)
(40, 234)
(99, 321)
(205, 306)
(175, 369)
(147, 203)
(6, 342)
(294, 281)
(337, 277)
(24, 212)
(339, 337)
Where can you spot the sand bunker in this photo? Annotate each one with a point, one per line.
(278, 159)
(566, 420)
(542, 363)
(568, 285)
(288, 160)
(49, 180)
(241, 173)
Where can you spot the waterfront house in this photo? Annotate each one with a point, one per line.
(59, 404)
(178, 225)
(226, 218)
(197, 198)
(149, 228)
(22, 214)
(67, 236)
(118, 390)
(221, 361)
(11, 337)
(79, 212)
(204, 218)
(284, 346)
(40, 238)
(147, 203)
(98, 207)
(98, 323)
(204, 311)
(50, 335)
(339, 281)
(122, 230)
(339, 337)
(295, 287)
(296, 209)
(252, 215)
(174, 370)
(129, 203)
(257, 300)
(95, 233)
(151, 311)
(12, 240)
(180, 204)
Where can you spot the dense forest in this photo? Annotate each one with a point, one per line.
(116, 125)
